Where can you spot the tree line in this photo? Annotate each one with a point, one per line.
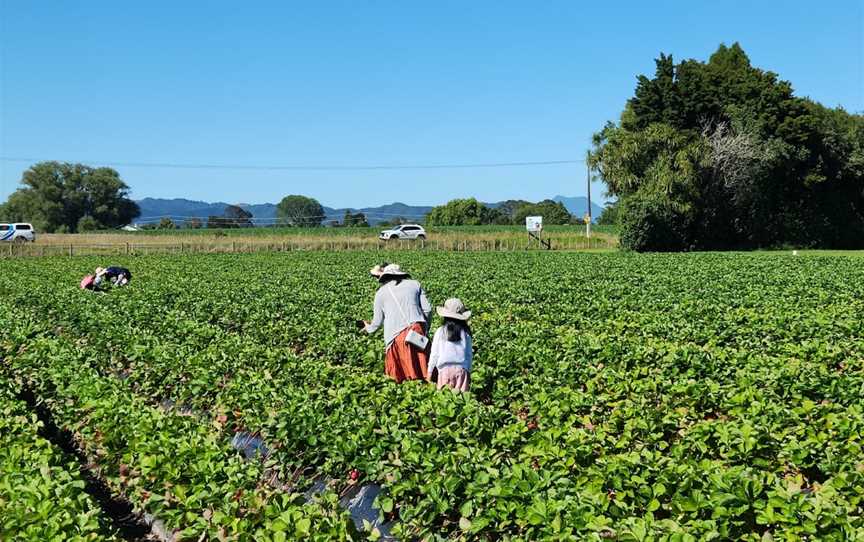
(722, 155)
(70, 198)
(470, 212)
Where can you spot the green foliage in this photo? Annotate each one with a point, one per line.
(166, 224)
(651, 224)
(610, 215)
(87, 223)
(355, 220)
(463, 212)
(300, 211)
(741, 160)
(553, 213)
(683, 397)
(237, 217)
(57, 197)
(509, 209)
(42, 494)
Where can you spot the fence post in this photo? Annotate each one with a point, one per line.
(70, 250)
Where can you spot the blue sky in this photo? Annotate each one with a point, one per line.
(371, 83)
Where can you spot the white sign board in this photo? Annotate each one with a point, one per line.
(534, 223)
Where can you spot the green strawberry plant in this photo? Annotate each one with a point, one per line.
(628, 397)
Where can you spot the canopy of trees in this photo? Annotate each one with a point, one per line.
(300, 211)
(553, 213)
(234, 216)
(355, 220)
(62, 197)
(609, 216)
(722, 155)
(470, 212)
(461, 212)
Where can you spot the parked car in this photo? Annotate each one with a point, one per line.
(20, 232)
(404, 231)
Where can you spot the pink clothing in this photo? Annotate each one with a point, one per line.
(455, 377)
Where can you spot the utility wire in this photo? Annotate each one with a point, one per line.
(311, 167)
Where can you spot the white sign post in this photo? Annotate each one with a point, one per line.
(534, 225)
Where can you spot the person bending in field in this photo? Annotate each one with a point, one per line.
(89, 283)
(402, 307)
(451, 348)
(118, 276)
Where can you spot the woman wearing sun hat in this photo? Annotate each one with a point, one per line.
(403, 309)
(119, 276)
(451, 347)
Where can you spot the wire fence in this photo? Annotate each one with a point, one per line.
(24, 250)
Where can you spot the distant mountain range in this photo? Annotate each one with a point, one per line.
(179, 209)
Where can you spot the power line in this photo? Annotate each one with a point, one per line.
(311, 167)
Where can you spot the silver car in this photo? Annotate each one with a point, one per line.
(404, 231)
(19, 232)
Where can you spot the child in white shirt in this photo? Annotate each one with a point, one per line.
(451, 352)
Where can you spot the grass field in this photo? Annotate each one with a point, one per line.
(472, 238)
(615, 396)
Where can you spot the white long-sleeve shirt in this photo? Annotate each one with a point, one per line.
(445, 352)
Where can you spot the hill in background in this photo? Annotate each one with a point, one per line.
(179, 209)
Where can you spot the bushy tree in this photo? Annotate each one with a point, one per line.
(57, 196)
(237, 217)
(462, 212)
(729, 152)
(87, 223)
(354, 220)
(553, 212)
(610, 215)
(300, 211)
(509, 208)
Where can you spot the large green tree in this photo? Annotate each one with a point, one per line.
(299, 211)
(463, 212)
(354, 220)
(721, 154)
(60, 197)
(553, 212)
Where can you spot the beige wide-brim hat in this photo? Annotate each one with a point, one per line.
(454, 308)
(100, 270)
(393, 270)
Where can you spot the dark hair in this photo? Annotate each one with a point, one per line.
(384, 279)
(453, 328)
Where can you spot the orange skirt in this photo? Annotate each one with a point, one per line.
(404, 361)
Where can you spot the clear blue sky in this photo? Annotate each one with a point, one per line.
(371, 83)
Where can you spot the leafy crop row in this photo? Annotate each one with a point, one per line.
(168, 464)
(42, 494)
(654, 397)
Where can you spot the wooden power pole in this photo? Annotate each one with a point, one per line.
(588, 225)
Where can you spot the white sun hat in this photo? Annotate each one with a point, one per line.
(454, 308)
(393, 270)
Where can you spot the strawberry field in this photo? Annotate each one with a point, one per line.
(614, 397)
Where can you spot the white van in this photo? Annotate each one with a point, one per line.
(18, 231)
